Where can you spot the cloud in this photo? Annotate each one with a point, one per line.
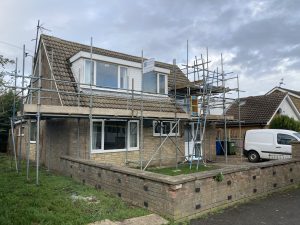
(259, 39)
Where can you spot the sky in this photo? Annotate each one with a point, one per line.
(259, 40)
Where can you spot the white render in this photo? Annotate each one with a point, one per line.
(287, 109)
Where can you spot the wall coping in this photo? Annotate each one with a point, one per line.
(184, 178)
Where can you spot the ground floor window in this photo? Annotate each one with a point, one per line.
(164, 128)
(114, 135)
(33, 132)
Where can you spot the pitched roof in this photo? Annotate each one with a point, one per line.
(61, 51)
(284, 90)
(257, 109)
(291, 91)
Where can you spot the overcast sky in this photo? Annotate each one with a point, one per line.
(260, 40)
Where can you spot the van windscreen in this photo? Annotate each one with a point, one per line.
(297, 135)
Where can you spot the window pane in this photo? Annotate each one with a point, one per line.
(33, 131)
(89, 71)
(115, 135)
(133, 127)
(166, 127)
(150, 82)
(157, 127)
(162, 83)
(285, 139)
(123, 78)
(106, 75)
(175, 130)
(97, 135)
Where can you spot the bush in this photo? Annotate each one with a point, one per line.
(285, 122)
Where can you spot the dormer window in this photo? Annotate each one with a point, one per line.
(154, 82)
(113, 74)
(107, 75)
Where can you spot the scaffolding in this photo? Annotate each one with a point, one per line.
(205, 92)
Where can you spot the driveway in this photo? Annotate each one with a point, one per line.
(282, 208)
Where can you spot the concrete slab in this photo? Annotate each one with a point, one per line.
(151, 219)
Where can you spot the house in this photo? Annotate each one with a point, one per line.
(294, 95)
(258, 111)
(97, 104)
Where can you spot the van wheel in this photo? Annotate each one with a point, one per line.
(253, 156)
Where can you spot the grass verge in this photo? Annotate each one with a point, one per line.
(22, 202)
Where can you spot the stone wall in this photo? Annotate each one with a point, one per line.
(185, 196)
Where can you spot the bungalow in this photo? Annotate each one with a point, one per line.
(258, 111)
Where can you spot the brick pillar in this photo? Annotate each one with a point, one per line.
(296, 150)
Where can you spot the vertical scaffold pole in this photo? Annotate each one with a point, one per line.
(38, 118)
(142, 119)
(28, 149)
(224, 110)
(91, 103)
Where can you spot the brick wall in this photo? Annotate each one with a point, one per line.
(60, 137)
(185, 196)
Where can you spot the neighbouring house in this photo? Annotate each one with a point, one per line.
(258, 111)
(294, 95)
(97, 104)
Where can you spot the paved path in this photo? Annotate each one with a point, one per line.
(281, 208)
(151, 219)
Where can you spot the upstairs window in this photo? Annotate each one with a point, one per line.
(154, 83)
(123, 77)
(106, 75)
(89, 72)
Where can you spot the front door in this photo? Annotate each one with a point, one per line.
(192, 136)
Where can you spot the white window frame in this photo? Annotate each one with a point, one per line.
(127, 140)
(21, 130)
(126, 77)
(172, 134)
(158, 74)
(158, 83)
(138, 135)
(95, 73)
(102, 136)
(31, 122)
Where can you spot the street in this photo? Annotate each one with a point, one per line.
(282, 208)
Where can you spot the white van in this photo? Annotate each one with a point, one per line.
(269, 144)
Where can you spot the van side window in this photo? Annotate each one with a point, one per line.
(285, 139)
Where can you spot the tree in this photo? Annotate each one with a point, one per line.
(7, 99)
(285, 122)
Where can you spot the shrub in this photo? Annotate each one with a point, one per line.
(285, 122)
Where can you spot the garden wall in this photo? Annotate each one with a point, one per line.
(185, 196)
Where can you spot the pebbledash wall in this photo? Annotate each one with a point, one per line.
(185, 196)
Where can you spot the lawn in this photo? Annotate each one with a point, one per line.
(182, 169)
(53, 201)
